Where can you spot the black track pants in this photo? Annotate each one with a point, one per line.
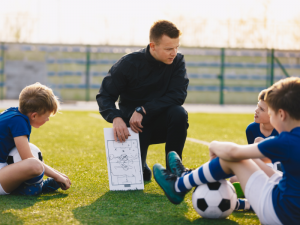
(169, 127)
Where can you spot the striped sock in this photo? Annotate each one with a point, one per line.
(35, 180)
(208, 173)
(188, 171)
(243, 204)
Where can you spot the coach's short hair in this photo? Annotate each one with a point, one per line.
(38, 98)
(261, 95)
(285, 94)
(163, 27)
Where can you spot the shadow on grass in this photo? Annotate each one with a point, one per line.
(203, 221)
(136, 207)
(17, 202)
(244, 215)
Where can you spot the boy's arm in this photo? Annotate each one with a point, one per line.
(23, 147)
(233, 152)
(58, 177)
(25, 153)
(250, 136)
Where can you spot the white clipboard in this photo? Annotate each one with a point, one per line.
(123, 162)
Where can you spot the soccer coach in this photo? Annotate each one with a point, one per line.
(151, 85)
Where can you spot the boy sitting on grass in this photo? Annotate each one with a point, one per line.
(260, 129)
(36, 104)
(274, 196)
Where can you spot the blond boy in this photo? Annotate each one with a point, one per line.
(36, 104)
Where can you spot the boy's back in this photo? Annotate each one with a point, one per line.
(12, 124)
(286, 195)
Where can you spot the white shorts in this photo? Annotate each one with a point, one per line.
(258, 191)
(2, 192)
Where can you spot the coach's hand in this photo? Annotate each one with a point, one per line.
(136, 122)
(120, 129)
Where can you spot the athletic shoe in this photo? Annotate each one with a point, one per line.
(147, 173)
(28, 189)
(49, 185)
(174, 164)
(238, 190)
(166, 180)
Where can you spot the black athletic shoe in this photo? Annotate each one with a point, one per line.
(28, 189)
(147, 173)
(50, 185)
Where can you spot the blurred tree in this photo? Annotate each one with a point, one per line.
(18, 27)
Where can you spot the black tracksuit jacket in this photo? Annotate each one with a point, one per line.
(137, 79)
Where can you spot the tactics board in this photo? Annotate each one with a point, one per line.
(123, 162)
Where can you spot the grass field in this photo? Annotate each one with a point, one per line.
(73, 143)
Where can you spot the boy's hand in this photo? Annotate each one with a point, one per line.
(258, 139)
(64, 182)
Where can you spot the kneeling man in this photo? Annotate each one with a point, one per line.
(151, 85)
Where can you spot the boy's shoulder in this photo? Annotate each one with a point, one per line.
(252, 126)
(286, 138)
(12, 113)
(294, 134)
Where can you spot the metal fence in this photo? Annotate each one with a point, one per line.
(224, 76)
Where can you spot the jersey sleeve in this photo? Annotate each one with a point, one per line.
(275, 148)
(113, 84)
(250, 136)
(18, 127)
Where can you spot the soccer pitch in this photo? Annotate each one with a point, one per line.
(73, 143)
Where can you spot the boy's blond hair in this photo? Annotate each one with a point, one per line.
(38, 98)
(285, 94)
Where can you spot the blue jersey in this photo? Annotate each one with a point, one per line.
(253, 131)
(12, 124)
(286, 195)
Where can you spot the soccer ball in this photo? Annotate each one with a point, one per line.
(214, 200)
(14, 155)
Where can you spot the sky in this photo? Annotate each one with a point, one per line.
(119, 22)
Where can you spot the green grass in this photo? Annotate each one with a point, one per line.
(72, 142)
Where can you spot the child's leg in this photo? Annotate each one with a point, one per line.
(212, 171)
(244, 169)
(13, 175)
(257, 186)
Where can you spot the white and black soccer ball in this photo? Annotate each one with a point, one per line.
(214, 200)
(14, 155)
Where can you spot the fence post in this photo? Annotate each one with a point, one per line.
(281, 67)
(272, 68)
(87, 74)
(222, 76)
(268, 69)
(2, 71)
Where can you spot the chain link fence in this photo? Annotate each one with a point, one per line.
(75, 72)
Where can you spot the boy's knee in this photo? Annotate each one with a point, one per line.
(35, 166)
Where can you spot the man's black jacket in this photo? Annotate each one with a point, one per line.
(140, 80)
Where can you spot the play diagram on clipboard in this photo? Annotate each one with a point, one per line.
(123, 162)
